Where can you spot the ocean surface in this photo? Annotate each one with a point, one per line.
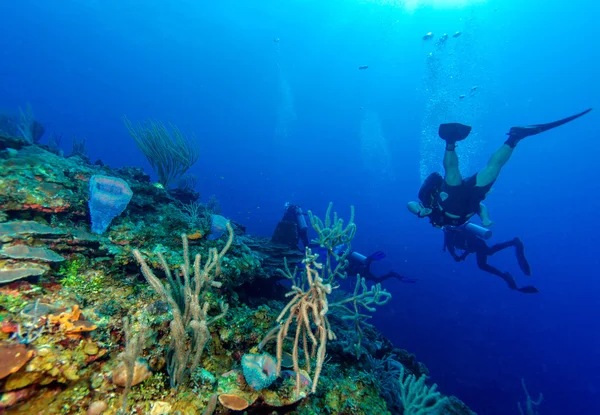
(274, 93)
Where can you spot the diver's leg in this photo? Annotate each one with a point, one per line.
(521, 259)
(452, 173)
(451, 133)
(501, 246)
(520, 251)
(484, 266)
(490, 173)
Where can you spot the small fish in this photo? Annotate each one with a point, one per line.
(457, 34)
(362, 68)
(428, 36)
(276, 40)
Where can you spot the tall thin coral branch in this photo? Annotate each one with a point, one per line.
(307, 309)
(183, 294)
(362, 298)
(336, 239)
(309, 304)
(530, 404)
(134, 345)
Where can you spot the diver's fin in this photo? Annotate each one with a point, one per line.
(522, 132)
(530, 289)
(453, 132)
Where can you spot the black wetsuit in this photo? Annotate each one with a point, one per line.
(288, 222)
(364, 270)
(460, 239)
(463, 200)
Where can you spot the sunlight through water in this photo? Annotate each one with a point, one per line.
(411, 5)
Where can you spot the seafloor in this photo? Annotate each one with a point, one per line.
(71, 300)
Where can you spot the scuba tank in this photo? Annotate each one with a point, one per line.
(473, 229)
(479, 231)
(357, 258)
(300, 219)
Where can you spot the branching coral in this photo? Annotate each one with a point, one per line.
(183, 295)
(134, 345)
(418, 398)
(336, 239)
(530, 405)
(363, 297)
(309, 304)
(307, 308)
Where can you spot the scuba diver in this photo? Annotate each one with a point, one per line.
(470, 239)
(292, 227)
(361, 265)
(452, 200)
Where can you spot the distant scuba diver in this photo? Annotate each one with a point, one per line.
(359, 264)
(452, 200)
(460, 238)
(292, 228)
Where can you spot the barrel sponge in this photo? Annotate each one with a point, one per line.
(109, 196)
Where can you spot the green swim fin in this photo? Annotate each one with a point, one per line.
(517, 133)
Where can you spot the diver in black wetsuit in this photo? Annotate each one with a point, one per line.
(454, 200)
(359, 264)
(292, 227)
(457, 238)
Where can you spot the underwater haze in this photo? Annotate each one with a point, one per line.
(274, 94)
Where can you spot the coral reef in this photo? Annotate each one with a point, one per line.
(84, 330)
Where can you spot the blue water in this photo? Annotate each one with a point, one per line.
(295, 120)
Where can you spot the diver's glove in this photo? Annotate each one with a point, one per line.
(424, 212)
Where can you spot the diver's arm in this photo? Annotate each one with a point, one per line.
(484, 214)
(417, 209)
(449, 243)
(452, 251)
